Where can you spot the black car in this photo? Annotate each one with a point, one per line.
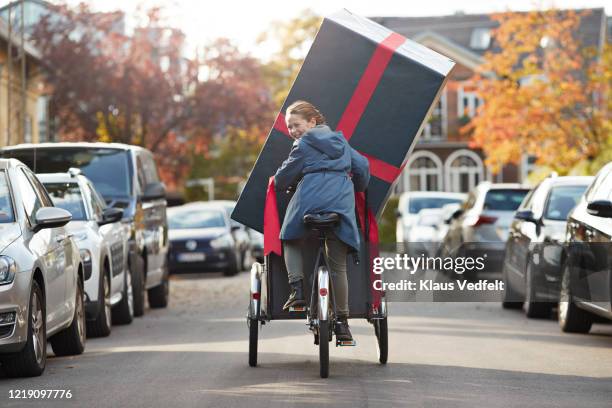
(201, 240)
(586, 279)
(532, 269)
(126, 177)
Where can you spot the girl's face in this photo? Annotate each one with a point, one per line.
(297, 125)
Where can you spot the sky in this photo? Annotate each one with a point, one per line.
(243, 20)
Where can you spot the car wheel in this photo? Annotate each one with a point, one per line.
(532, 307)
(138, 284)
(31, 361)
(123, 312)
(232, 269)
(101, 326)
(572, 319)
(71, 340)
(510, 297)
(158, 296)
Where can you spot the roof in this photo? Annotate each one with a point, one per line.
(570, 180)
(58, 145)
(452, 34)
(59, 178)
(441, 194)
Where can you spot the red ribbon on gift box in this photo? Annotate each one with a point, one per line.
(347, 125)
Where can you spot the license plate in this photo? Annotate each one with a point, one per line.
(191, 257)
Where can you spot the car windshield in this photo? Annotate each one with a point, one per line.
(6, 208)
(418, 203)
(68, 196)
(562, 200)
(107, 168)
(504, 199)
(195, 218)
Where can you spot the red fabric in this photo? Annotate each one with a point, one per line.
(272, 225)
(372, 242)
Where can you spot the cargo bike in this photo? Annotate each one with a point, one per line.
(269, 289)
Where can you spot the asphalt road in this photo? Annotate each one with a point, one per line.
(194, 354)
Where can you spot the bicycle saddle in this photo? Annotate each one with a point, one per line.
(325, 220)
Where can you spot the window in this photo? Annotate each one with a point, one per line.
(435, 128)
(6, 206)
(468, 101)
(108, 169)
(40, 189)
(504, 199)
(561, 201)
(29, 198)
(480, 39)
(424, 172)
(601, 188)
(97, 203)
(195, 218)
(68, 196)
(42, 111)
(465, 173)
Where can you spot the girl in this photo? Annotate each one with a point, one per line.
(327, 172)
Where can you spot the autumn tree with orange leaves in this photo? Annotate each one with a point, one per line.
(544, 95)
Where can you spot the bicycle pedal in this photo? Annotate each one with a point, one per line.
(297, 309)
(346, 343)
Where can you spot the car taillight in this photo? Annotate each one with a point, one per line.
(483, 220)
(323, 292)
(255, 295)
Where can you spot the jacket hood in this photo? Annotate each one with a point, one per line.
(326, 141)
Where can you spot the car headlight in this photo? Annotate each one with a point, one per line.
(224, 241)
(8, 267)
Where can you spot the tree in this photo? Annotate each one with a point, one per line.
(140, 88)
(544, 94)
(292, 40)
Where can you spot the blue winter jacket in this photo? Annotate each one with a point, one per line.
(320, 163)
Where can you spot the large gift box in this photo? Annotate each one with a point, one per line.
(374, 85)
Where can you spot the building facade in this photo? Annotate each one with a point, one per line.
(24, 97)
(442, 159)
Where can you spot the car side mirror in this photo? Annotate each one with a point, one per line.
(526, 215)
(111, 215)
(154, 191)
(51, 217)
(600, 208)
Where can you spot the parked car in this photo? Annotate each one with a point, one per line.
(586, 276)
(201, 239)
(480, 227)
(126, 176)
(532, 269)
(448, 211)
(423, 236)
(41, 276)
(102, 242)
(240, 234)
(257, 245)
(410, 203)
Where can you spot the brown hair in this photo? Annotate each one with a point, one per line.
(306, 110)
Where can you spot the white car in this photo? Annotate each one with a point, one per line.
(41, 276)
(424, 235)
(412, 202)
(103, 246)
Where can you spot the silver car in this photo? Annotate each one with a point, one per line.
(41, 276)
(103, 244)
(480, 227)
